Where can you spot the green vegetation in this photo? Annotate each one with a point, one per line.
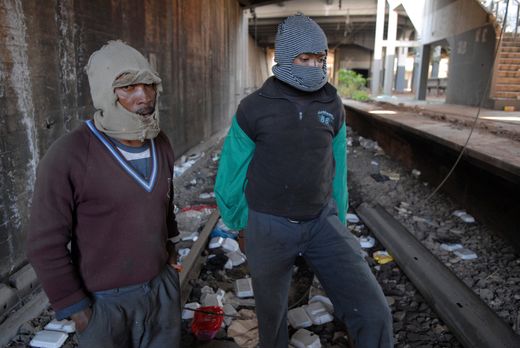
(352, 85)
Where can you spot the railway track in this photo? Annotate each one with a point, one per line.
(476, 306)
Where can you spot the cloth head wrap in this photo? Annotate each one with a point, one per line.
(296, 35)
(105, 66)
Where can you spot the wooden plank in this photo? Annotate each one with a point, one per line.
(193, 262)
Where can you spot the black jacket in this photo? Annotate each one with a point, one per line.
(292, 168)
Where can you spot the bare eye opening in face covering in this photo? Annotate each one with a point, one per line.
(310, 59)
(138, 98)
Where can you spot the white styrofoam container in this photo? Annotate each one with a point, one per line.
(318, 313)
(230, 245)
(48, 339)
(67, 326)
(325, 301)
(236, 257)
(215, 242)
(305, 339)
(451, 246)
(211, 300)
(244, 288)
(465, 254)
(298, 318)
(186, 313)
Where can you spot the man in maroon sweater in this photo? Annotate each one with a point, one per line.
(102, 213)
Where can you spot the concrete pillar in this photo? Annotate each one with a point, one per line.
(400, 81)
(390, 52)
(436, 59)
(377, 64)
(422, 78)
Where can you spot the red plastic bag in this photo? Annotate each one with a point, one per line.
(204, 325)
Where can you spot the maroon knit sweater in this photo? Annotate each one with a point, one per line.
(117, 229)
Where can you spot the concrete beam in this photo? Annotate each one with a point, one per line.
(422, 72)
(390, 52)
(378, 48)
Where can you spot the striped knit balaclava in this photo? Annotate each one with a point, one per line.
(105, 69)
(296, 35)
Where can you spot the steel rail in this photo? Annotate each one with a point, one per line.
(472, 322)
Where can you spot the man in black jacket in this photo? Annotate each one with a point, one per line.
(282, 176)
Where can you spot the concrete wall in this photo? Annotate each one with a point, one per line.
(470, 66)
(435, 20)
(199, 48)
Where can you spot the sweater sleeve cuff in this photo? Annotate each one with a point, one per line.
(74, 308)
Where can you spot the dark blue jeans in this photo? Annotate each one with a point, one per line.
(143, 315)
(334, 254)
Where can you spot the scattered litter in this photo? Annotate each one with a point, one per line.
(230, 245)
(235, 258)
(391, 175)
(185, 163)
(367, 242)
(205, 326)
(390, 300)
(244, 331)
(316, 288)
(305, 339)
(325, 301)
(379, 177)
(318, 313)
(464, 216)
(451, 246)
(374, 167)
(211, 300)
(416, 173)
(182, 253)
(192, 217)
(403, 211)
(244, 287)
(48, 339)
(229, 310)
(64, 325)
(190, 313)
(189, 236)
(215, 242)
(207, 195)
(424, 220)
(465, 254)
(352, 218)
(298, 318)
(218, 231)
(220, 294)
(382, 257)
(456, 231)
(367, 143)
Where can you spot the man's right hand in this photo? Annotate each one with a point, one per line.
(81, 319)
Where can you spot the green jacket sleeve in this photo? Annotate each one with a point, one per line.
(339, 184)
(231, 181)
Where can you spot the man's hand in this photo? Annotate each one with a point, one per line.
(81, 319)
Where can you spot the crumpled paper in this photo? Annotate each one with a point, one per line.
(245, 331)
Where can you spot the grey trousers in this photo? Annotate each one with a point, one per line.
(144, 315)
(334, 254)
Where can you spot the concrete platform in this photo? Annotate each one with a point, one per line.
(495, 140)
